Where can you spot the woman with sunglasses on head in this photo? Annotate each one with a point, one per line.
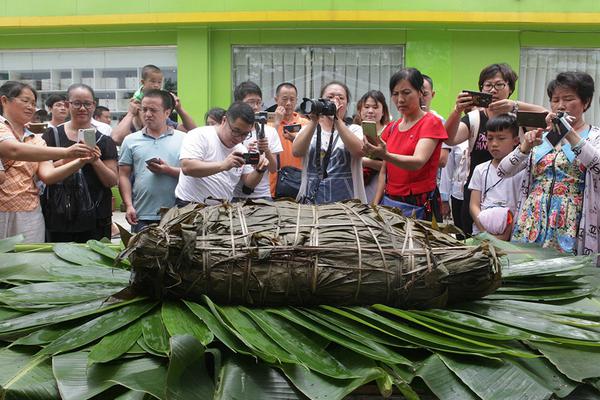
(99, 175)
(332, 171)
(410, 150)
(372, 107)
(498, 80)
(20, 211)
(560, 194)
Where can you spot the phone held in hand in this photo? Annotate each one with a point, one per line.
(370, 131)
(251, 158)
(532, 119)
(295, 128)
(87, 136)
(560, 128)
(480, 99)
(153, 160)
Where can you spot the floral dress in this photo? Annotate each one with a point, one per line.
(551, 213)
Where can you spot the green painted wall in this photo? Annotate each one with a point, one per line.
(94, 7)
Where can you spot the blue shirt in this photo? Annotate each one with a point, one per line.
(151, 191)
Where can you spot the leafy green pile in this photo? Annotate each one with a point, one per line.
(61, 336)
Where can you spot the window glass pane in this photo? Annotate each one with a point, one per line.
(362, 68)
(540, 66)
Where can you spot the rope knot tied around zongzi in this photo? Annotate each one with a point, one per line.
(283, 253)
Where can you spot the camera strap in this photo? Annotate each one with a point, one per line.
(322, 166)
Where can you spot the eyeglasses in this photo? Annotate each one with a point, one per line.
(257, 103)
(487, 86)
(79, 104)
(236, 133)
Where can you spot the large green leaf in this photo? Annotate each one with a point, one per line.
(547, 267)
(8, 244)
(187, 377)
(179, 320)
(98, 327)
(243, 378)
(78, 381)
(24, 376)
(52, 293)
(154, 333)
(80, 255)
(116, 344)
(108, 251)
(577, 362)
(442, 381)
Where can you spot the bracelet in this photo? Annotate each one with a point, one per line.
(515, 108)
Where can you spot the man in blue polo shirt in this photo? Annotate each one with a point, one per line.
(151, 156)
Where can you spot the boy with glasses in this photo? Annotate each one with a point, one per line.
(212, 161)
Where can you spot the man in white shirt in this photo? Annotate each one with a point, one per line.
(270, 145)
(212, 159)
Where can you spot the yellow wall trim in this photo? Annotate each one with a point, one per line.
(307, 16)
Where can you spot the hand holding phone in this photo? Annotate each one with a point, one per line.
(370, 132)
(87, 136)
(480, 99)
(251, 158)
(153, 160)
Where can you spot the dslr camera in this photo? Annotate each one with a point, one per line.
(318, 107)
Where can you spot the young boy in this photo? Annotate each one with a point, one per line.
(494, 199)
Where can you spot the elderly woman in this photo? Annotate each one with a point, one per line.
(332, 171)
(99, 175)
(561, 190)
(20, 211)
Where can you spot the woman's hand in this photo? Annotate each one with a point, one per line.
(379, 151)
(464, 101)
(530, 140)
(503, 106)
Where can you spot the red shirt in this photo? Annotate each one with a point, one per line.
(401, 182)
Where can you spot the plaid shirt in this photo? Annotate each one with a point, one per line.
(19, 192)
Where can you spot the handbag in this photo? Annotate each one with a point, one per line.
(288, 181)
(68, 205)
(408, 210)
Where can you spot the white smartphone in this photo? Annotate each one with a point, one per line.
(370, 131)
(88, 136)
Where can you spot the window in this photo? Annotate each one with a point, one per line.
(362, 68)
(113, 73)
(540, 66)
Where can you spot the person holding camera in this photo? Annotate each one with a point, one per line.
(410, 150)
(151, 157)
(263, 140)
(497, 81)
(213, 159)
(332, 151)
(561, 189)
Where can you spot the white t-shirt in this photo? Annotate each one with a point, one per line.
(263, 189)
(495, 191)
(103, 128)
(204, 144)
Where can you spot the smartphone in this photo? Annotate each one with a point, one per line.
(532, 119)
(480, 99)
(37, 127)
(154, 160)
(295, 128)
(251, 158)
(370, 131)
(560, 128)
(87, 136)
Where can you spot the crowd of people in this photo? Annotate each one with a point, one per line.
(477, 167)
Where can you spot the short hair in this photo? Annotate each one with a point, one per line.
(411, 75)
(239, 109)
(216, 113)
(12, 89)
(285, 84)
(579, 82)
(99, 110)
(379, 98)
(55, 98)
(503, 122)
(83, 86)
(339, 83)
(244, 89)
(148, 69)
(428, 79)
(41, 115)
(505, 70)
(166, 97)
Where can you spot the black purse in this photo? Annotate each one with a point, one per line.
(288, 181)
(68, 205)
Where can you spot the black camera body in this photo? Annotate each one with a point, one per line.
(260, 117)
(251, 158)
(318, 107)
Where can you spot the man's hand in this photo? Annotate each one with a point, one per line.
(262, 165)
(233, 160)
(131, 215)
(160, 167)
(445, 209)
(176, 102)
(134, 107)
(279, 115)
(263, 145)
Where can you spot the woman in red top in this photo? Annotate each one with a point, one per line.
(410, 148)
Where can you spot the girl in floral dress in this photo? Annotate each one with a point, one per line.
(558, 197)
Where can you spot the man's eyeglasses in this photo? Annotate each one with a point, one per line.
(235, 132)
(489, 86)
(78, 104)
(257, 103)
